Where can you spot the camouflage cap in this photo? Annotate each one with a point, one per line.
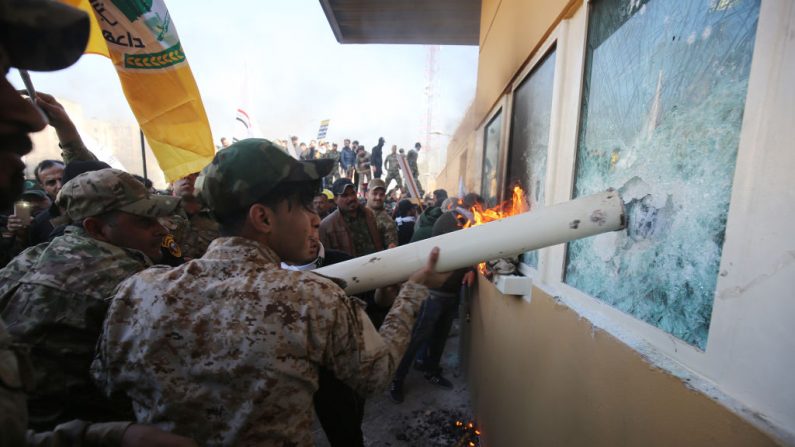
(376, 183)
(97, 192)
(247, 170)
(42, 35)
(340, 185)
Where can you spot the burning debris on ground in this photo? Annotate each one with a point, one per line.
(437, 428)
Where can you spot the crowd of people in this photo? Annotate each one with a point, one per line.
(192, 315)
(355, 162)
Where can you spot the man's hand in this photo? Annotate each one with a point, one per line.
(59, 119)
(150, 436)
(428, 276)
(17, 224)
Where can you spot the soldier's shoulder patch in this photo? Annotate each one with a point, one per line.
(171, 245)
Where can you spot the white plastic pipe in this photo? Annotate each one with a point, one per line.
(579, 218)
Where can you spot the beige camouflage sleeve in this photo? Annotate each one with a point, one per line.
(364, 358)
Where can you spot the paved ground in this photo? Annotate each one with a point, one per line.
(427, 416)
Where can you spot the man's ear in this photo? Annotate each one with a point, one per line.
(95, 228)
(261, 218)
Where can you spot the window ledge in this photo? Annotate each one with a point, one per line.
(514, 285)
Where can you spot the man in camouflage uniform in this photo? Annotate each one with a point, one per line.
(393, 168)
(192, 225)
(42, 35)
(411, 158)
(351, 228)
(226, 348)
(376, 195)
(52, 296)
(334, 155)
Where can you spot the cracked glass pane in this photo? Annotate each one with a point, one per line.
(663, 99)
(527, 163)
(491, 152)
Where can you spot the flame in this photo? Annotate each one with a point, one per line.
(517, 205)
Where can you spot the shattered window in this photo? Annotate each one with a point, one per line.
(527, 162)
(491, 152)
(663, 99)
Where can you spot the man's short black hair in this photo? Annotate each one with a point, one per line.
(439, 196)
(295, 193)
(471, 199)
(46, 164)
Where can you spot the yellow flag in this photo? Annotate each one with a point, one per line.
(140, 37)
(96, 43)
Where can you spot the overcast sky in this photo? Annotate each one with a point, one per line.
(279, 60)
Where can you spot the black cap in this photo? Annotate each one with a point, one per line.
(78, 167)
(42, 35)
(339, 186)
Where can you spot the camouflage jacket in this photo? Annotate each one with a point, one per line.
(14, 369)
(52, 297)
(333, 155)
(226, 348)
(391, 163)
(386, 226)
(193, 234)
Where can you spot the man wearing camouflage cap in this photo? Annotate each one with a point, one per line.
(42, 35)
(53, 295)
(376, 194)
(226, 348)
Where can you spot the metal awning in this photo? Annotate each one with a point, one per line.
(428, 22)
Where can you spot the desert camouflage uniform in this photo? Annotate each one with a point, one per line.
(386, 226)
(226, 348)
(52, 297)
(193, 234)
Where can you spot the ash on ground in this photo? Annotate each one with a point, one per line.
(428, 414)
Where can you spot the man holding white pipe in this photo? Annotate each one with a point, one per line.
(227, 347)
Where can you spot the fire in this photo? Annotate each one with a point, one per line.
(517, 205)
(470, 434)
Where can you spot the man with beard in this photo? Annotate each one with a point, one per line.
(376, 194)
(42, 35)
(53, 295)
(352, 228)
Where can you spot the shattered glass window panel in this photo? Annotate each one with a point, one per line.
(527, 163)
(491, 152)
(663, 99)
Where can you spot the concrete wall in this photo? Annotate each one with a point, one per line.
(510, 31)
(544, 376)
(575, 371)
(115, 143)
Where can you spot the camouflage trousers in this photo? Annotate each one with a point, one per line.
(393, 175)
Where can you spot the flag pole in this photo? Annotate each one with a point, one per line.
(143, 152)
